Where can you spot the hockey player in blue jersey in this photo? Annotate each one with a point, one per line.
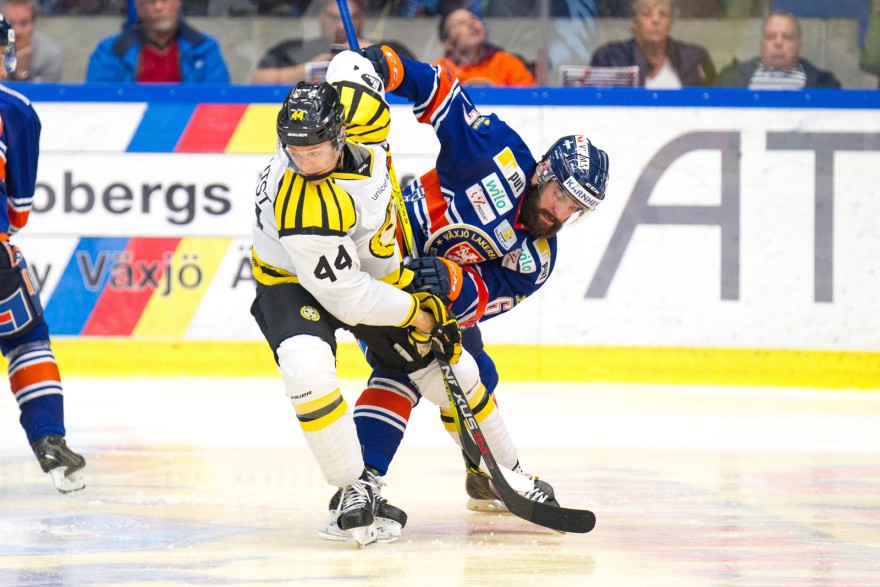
(24, 336)
(484, 225)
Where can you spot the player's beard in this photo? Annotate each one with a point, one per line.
(534, 217)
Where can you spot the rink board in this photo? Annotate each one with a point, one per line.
(737, 242)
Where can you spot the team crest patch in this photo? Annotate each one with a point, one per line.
(309, 313)
(463, 244)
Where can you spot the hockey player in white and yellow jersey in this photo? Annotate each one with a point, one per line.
(325, 257)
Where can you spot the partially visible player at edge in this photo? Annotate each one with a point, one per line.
(484, 222)
(24, 335)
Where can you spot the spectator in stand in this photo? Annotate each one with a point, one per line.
(285, 63)
(159, 47)
(472, 59)
(663, 62)
(39, 59)
(780, 65)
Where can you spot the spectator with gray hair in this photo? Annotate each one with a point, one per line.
(780, 65)
(663, 61)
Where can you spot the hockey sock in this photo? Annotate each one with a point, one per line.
(491, 423)
(36, 384)
(308, 368)
(381, 415)
(43, 416)
(329, 431)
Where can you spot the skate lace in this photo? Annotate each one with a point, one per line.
(353, 497)
(358, 494)
(536, 495)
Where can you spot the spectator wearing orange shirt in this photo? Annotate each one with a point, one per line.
(473, 60)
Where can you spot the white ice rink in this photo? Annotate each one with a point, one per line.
(208, 482)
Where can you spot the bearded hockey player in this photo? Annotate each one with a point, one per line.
(484, 224)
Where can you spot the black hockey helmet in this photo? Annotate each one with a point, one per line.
(311, 114)
(580, 168)
(7, 39)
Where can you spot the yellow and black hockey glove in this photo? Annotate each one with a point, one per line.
(446, 332)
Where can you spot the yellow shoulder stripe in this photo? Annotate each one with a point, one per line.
(368, 118)
(305, 208)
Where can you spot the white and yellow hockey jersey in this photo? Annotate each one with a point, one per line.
(338, 239)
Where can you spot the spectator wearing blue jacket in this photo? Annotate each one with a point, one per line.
(159, 48)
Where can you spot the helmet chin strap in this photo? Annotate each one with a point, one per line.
(319, 177)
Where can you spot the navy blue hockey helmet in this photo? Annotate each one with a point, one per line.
(311, 114)
(580, 168)
(7, 38)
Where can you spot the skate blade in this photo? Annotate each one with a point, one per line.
(66, 483)
(487, 506)
(387, 530)
(364, 535)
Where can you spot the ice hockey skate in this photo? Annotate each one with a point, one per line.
(390, 520)
(62, 464)
(482, 496)
(357, 508)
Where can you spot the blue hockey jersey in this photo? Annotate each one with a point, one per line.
(19, 151)
(466, 209)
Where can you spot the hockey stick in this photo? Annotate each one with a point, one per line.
(402, 216)
(348, 25)
(475, 446)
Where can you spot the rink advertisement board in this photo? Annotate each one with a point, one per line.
(741, 224)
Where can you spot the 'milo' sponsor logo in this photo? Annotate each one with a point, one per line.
(515, 177)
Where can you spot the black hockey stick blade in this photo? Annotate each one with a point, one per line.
(476, 448)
